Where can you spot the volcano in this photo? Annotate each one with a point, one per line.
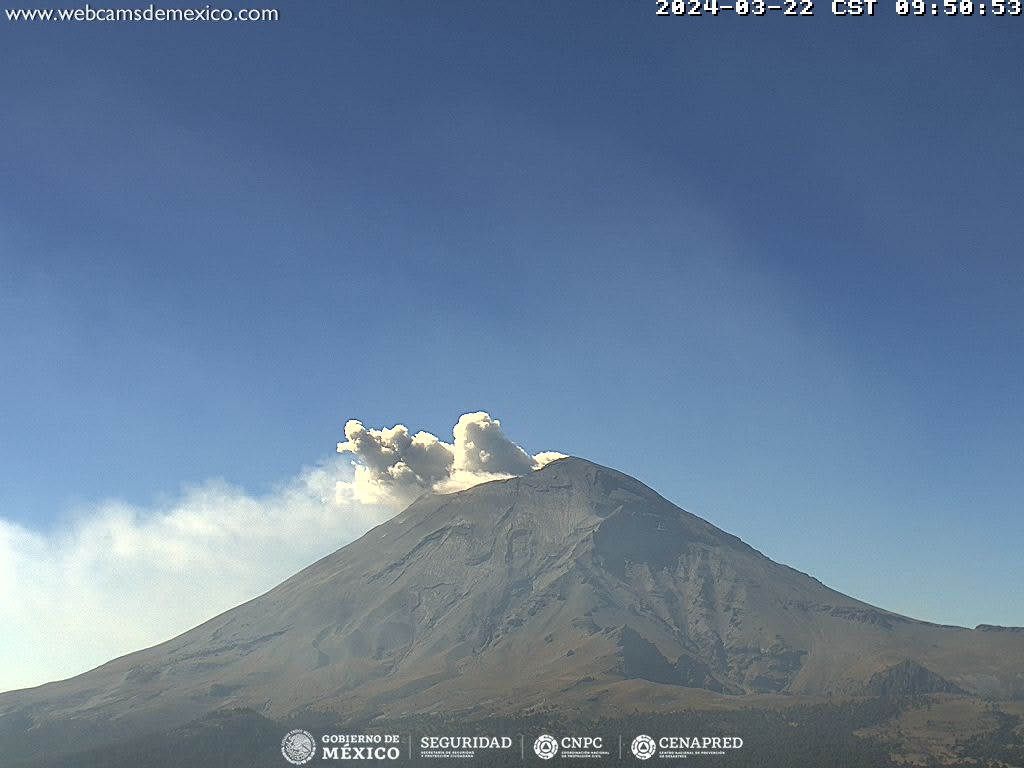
(574, 586)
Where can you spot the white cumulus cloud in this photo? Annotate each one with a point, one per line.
(394, 464)
(116, 577)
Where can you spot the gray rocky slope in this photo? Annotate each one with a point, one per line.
(574, 585)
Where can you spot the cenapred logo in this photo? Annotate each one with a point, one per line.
(545, 746)
(643, 747)
(298, 746)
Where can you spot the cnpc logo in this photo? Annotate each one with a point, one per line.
(547, 746)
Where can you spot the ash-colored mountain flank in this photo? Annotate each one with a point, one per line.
(575, 585)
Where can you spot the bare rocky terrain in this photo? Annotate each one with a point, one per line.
(575, 586)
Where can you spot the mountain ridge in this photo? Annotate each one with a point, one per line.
(570, 585)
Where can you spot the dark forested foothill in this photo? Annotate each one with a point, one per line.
(801, 736)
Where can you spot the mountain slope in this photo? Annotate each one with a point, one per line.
(565, 585)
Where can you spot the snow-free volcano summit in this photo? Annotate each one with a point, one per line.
(573, 586)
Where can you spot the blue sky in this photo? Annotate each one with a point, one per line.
(770, 266)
